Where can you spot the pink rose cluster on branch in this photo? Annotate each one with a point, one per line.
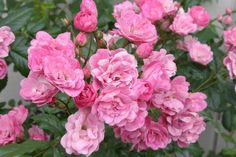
(6, 39)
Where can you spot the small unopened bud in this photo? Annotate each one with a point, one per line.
(227, 20)
(228, 11)
(81, 39)
(102, 43)
(98, 35)
(66, 21)
(219, 18)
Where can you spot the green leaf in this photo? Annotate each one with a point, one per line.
(36, 26)
(229, 151)
(29, 146)
(1, 6)
(11, 103)
(50, 123)
(16, 19)
(2, 104)
(207, 34)
(3, 83)
(229, 119)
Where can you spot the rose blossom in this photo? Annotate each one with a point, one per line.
(198, 52)
(183, 24)
(230, 63)
(35, 133)
(44, 45)
(152, 10)
(84, 133)
(142, 90)
(86, 98)
(158, 68)
(121, 7)
(170, 7)
(156, 135)
(230, 38)
(113, 68)
(86, 19)
(144, 50)
(199, 15)
(11, 125)
(135, 28)
(185, 128)
(227, 20)
(81, 39)
(37, 89)
(6, 38)
(115, 107)
(196, 102)
(3, 69)
(65, 74)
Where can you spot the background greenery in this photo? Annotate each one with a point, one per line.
(26, 17)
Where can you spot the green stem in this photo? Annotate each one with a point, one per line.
(66, 104)
(90, 48)
(215, 19)
(212, 77)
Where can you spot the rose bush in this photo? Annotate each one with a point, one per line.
(103, 78)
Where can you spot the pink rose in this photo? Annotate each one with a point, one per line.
(115, 107)
(86, 98)
(230, 63)
(199, 15)
(152, 10)
(198, 52)
(81, 39)
(135, 28)
(180, 88)
(230, 38)
(183, 24)
(37, 89)
(121, 7)
(86, 19)
(156, 135)
(142, 90)
(196, 102)
(65, 74)
(158, 68)
(3, 69)
(144, 50)
(185, 128)
(35, 133)
(44, 45)
(84, 133)
(6, 39)
(11, 125)
(170, 7)
(227, 20)
(113, 68)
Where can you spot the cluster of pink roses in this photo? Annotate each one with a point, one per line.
(53, 67)
(6, 39)
(230, 59)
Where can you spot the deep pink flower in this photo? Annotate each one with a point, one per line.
(170, 7)
(88, 6)
(196, 102)
(198, 52)
(121, 7)
(115, 106)
(185, 128)
(230, 38)
(183, 24)
(135, 28)
(37, 89)
(6, 39)
(65, 74)
(199, 15)
(3, 69)
(81, 39)
(144, 50)
(152, 10)
(11, 125)
(86, 98)
(84, 133)
(142, 90)
(113, 68)
(230, 63)
(156, 135)
(44, 45)
(35, 133)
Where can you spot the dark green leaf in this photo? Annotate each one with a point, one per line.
(3, 83)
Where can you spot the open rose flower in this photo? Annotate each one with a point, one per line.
(11, 125)
(113, 68)
(65, 74)
(230, 38)
(115, 107)
(6, 39)
(3, 69)
(35, 133)
(230, 63)
(44, 45)
(37, 89)
(135, 28)
(199, 15)
(121, 7)
(144, 50)
(196, 102)
(84, 133)
(86, 98)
